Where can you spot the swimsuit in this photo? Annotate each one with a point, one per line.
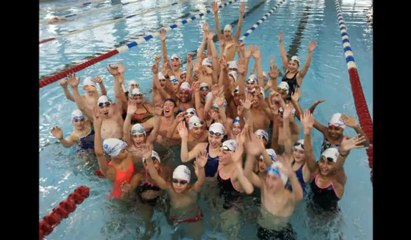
(286, 233)
(292, 83)
(87, 142)
(121, 177)
(141, 117)
(211, 165)
(324, 198)
(326, 144)
(145, 186)
(228, 192)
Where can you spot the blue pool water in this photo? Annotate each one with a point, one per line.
(61, 171)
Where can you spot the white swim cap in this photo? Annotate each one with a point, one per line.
(182, 172)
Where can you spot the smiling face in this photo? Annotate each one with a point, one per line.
(326, 166)
(168, 108)
(292, 66)
(335, 132)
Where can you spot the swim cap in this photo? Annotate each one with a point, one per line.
(113, 146)
(138, 129)
(182, 172)
(274, 169)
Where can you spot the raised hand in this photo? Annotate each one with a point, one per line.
(274, 71)
(98, 79)
(73, 80)
(163, 34)
(215, 7)
(349, 121)
(249, 100)
(121, 67)
(242, 7)
(280, 37)
(190, 57)
(113, 69)
(57, 132)
(131, 107)
(307, 119)
(352, 143)
(256, 52)
(63, 83)
(154, 68)
(182, 130)
(157, 59)
(312, 46)
(210, 35)
(205, 28)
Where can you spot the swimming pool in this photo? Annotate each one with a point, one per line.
(61, 172)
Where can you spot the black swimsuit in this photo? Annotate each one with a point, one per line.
(292, 84)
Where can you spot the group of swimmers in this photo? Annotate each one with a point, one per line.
(238, 138)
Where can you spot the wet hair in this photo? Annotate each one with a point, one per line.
(171, 100)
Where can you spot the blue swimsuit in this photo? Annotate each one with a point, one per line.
(211, 165)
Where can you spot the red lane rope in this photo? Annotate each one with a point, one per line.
(65, 207)
(359, 100)
(47, 80)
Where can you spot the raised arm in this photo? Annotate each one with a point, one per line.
(297, 192)
(63, 84)
(287, 130)
(185, 155)
(163, 44)
(240, 22)
(216, 21)
(345, 147)
(73, 81)
(100, 82)
(283, 52)
(58, 133)
(98, 148)
(199, 164)
(147, 152)
(307, 120)
(352, 123)
(131, 109)
(156, 122)
(304, 71)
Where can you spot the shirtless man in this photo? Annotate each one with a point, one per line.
(167, 120)
(88, 101)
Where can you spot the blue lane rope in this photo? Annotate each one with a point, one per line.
(140, 40)
(46, 80)
(255, 25)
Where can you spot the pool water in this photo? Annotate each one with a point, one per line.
(94, 30)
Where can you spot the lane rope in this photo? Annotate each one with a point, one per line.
(62, 210)
(257, 24)
(113, 20)
(357, 91)
(57, 76)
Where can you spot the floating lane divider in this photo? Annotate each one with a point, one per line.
(65, 207)
(50, 79)
(358, 94)
(255, 26)
(78, 5)
(114, 20)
